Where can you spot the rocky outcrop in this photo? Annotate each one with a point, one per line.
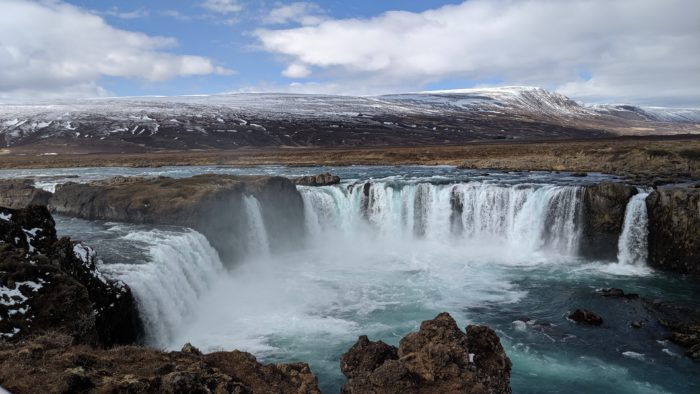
(49, 364)
(21, 193)
(584, 316)
(48, 283)
(439, 358)
(324, 179)
(659, 319)
(211, 204)
(674, 229)
(603, 216)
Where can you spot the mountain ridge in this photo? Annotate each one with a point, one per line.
(273, 119)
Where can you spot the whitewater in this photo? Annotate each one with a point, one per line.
(388, 248)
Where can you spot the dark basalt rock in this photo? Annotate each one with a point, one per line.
(324, 179)
(585, 316)
(439, 358)
(210, 204)
(603, 216)
(50, 364)
(48, 283)
(21, 193)
(674, 229)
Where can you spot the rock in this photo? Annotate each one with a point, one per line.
(586, 317)
(188, 348)
(21, 193)
(48, 283)
(617, 293)
(439, 358)
(324, 179)
(51, 364)
(674, 229)
(603, 216)
(214, 205)
(579, 174)
(636, 324)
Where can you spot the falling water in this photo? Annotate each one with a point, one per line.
(180, 269)
(532, 217)
(258, 243)
(632, 247)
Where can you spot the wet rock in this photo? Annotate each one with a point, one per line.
(674, 229)
(585, 316)
(324, 179)
(636, 324)
(211, 204)
(603, 216)
(617, 293)
(21, 193)
(51, 364)
(47, 283)
(439, 358)
(579, 174)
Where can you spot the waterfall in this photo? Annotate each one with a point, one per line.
(258, 243)
(632, 247)
(180, 269)
(533, 217)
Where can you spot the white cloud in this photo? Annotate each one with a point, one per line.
(52, 48)
(296, 70)
(635, 50)
(303, 13)
(114, 11)
(222, 6)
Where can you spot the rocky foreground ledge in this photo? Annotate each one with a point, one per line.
(47, 283)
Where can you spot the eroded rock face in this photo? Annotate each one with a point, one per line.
(21, 193)
(603, 216)
(439, 358)
(324, 179)
(211, 204)
(48, 283)
(584, 316)
(51, 364)
(674, 229)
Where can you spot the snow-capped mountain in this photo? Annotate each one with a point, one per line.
(235, 120)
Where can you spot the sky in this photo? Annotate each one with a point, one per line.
(598, 51)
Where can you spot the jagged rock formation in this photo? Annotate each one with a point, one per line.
(49, 364)
(439, 358)
(48, 283)
(603, 214)
(585, 316)
(324, 179)
(211, 204)
(20, 193)
(674, 229)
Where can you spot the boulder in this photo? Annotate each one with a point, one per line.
(324, 179)
(21, 193)
(51, 364)
(214, 205)
(603, 217)
(585, 316)
(674, 229)
(439, 358)
(48, 283)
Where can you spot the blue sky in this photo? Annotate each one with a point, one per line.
(621, 51)
(229, 44)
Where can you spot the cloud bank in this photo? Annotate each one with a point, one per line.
(643, 51)
(52, 49)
